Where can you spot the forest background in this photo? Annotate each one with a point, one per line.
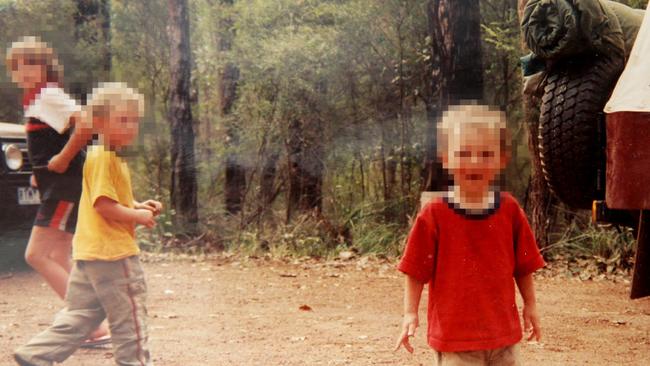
(295, 127)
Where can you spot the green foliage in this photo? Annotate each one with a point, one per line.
(54, 22)
(501, 51)
(592, 250)
(359, 67)
(372, 237)
(298, 239)
(306, 236)
(152, 240)
(359, 73)
(141, 49)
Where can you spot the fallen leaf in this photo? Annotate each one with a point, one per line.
(305, 308)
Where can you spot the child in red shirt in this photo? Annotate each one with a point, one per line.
(471, 245)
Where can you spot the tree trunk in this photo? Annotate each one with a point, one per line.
(387, 163)
(455, 32)
(358, 135)
(305, 166)
(183, 180)
(459, 43)
(540, 201)
(235, 182)
(269, 155)
(267, 178)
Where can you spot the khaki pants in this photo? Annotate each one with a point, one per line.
(506, 356)
(97, 290)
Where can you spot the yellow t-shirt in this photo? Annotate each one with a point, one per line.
(96, 238)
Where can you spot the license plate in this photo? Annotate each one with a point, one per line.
(28, 196)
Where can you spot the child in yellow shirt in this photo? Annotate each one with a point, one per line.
(107, 279)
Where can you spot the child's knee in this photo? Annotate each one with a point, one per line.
(34, 258)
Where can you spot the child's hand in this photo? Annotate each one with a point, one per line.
(409, 325)
(154, 206)
(58, 164)
(145, 217)
(32, 181)
(531, 322)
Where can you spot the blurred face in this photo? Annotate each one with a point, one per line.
(474, 158)
(121, 128)
(28, 72)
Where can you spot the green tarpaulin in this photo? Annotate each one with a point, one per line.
(555, 29)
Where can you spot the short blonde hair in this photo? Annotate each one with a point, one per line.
(107, 97)
(33, 49)
(457, 118)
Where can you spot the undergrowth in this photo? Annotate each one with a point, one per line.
(363, 232)
(592, 251)
(588, 250)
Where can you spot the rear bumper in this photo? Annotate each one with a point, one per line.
(10, 209)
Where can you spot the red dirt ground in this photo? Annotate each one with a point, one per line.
(247, 312)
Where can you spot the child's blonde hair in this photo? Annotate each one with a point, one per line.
(35, 51)
(457, 118)
(107, 97)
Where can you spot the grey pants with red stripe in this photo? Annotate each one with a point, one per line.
(97, 290)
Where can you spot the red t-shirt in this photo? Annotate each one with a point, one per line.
(470, 263)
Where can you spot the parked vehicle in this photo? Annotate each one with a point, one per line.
(18, 200)
(591, 160)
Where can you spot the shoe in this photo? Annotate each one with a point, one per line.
(22, 362)
(99, 342)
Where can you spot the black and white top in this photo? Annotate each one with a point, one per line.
(48, 109)
(53, 106)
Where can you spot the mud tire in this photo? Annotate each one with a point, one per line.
(571, 128)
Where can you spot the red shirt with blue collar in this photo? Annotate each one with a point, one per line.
(470, 262)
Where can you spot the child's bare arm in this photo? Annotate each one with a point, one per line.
(531, 318)
(112, 210)
(151, 205)
(412, 293)
(59, 163)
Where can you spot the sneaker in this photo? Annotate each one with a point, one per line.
(22, 362)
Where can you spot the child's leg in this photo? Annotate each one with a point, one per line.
(63, 256)
(83, 313)
(506, 356)
(123, 295)
(467, 358)
(48, 252)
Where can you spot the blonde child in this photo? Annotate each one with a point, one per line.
(107, 279)
(471, 246)
(50, 113)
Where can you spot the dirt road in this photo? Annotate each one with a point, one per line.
(248, 312)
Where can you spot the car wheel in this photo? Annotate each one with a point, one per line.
(571, 127)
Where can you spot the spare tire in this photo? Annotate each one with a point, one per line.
(571, 127)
